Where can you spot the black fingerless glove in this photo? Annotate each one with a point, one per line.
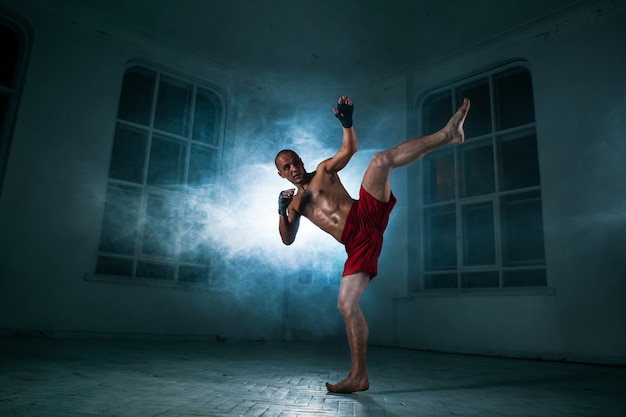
(344, 114)
(283, 202)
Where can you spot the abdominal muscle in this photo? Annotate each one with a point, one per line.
(331, 218)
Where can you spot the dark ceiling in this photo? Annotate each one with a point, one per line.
(351, 41)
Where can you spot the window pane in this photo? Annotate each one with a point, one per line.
(439, 178)
(129, 154)
(137, 94)
(173, 107)
(480, 121)
(440, 225)
(167, 162)
(483, 279)
(479, 246)
(436, 112)
(196, 224)
(194, 273)
(206, 118)
(477, 169)
(522, 229)
(439, 281)
(194, 248)
(160, 226)
(10, 52)
(114, 266)
(525, 278)
(121, 220)
(155, 270)
(203, 164)
(519, 163)
(514, 98)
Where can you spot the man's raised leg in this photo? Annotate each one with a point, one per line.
(376, 180)
(350, 292)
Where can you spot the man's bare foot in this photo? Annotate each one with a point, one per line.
(455, 125)
(349, 385)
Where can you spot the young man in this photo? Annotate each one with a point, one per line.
(358, 224)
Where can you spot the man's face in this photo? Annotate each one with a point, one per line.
(290, 167)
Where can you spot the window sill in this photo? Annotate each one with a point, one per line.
(148, 282)
(483, 292)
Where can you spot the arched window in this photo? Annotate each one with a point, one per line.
(482, 223)
(15, 47)
(165, 165)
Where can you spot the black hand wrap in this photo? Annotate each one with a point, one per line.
(344, 114)
(283, 202)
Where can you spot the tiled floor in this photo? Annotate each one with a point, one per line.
(108, 377)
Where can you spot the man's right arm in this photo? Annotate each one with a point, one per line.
(289, 219)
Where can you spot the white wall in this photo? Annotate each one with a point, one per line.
(577, 66)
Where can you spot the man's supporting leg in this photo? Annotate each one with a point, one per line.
(376, 180)
(350, 292)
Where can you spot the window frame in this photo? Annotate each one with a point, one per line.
(423, 262)
(181, 192)
(24, 36)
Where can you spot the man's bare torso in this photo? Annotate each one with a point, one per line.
(324, 201)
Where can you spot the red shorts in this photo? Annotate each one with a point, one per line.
(363, 233)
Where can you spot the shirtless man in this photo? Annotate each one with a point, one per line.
(358, 224)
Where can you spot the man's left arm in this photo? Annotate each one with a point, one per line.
(349, 144)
